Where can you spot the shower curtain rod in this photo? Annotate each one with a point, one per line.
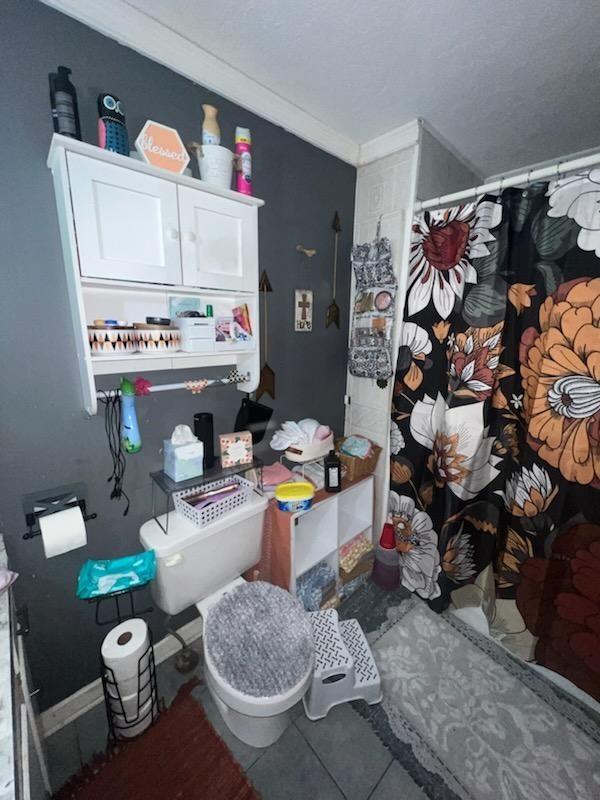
(532, 175)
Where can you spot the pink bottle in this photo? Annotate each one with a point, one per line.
(243, 148)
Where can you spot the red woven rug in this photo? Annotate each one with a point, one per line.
(180, 758)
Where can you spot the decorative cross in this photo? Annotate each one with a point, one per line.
(304, 305)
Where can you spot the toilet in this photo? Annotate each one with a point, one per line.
(257, 638)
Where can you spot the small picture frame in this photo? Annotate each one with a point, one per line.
(236, 448)
(303, 310)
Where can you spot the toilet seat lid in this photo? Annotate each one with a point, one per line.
(259, 639)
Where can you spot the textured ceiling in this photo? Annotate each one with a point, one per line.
(507, 82)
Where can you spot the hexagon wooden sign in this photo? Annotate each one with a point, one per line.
(162, 147)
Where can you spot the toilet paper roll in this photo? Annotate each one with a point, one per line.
(125, 709)
(122, 649)
(125, 731)
(62, 531)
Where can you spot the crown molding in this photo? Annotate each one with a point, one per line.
(390, 142)
(135, 29)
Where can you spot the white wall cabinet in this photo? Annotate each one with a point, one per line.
(127, 223)
(135, 237)
(219, 241)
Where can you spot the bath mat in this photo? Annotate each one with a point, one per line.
(469, 721)
(180, 758)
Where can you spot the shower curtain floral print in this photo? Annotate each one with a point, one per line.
(495, 429)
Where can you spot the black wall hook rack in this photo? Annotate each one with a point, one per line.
(43, 504)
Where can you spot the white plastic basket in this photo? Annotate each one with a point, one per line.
(210, 513)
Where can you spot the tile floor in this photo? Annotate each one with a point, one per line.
(335, 758)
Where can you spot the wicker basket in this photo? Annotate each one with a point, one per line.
(357, 467)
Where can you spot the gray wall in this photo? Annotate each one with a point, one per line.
(440, 171)
(46, 441)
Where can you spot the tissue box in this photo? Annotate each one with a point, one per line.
(183, 461)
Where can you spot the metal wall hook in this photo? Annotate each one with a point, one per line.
(306, 251)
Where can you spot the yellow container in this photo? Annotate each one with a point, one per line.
(294, 495)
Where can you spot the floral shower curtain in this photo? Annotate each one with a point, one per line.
(495, 429)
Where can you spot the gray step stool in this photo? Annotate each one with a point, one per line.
(344, 666)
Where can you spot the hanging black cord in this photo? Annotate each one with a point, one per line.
(112, 426)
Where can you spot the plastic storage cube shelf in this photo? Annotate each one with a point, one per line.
(208, 514)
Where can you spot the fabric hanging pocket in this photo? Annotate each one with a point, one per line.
(370, 354)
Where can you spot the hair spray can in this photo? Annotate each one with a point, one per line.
(243, 148)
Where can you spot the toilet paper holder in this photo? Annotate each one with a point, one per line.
(51, 501)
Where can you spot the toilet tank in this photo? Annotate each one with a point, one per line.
(192, 563)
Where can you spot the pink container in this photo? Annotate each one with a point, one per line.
(243, 148)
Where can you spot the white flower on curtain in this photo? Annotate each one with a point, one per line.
(397, 442)
(461, 451)
(578, 197)
(414, 347)
(529, 492)
(443, 245)
(417, 546)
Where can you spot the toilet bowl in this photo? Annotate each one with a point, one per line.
(257, 638)
(258, 658)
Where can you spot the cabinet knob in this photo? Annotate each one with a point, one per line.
(190, 236)
(173, 233)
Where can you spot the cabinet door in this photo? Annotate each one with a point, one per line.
(126, 222)
(219, 241)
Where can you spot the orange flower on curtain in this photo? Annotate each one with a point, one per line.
(475, 362)
(560, 369)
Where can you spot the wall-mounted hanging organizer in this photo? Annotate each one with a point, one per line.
(122, 265)
(370, 353)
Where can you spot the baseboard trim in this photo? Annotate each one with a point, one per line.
(77, 704)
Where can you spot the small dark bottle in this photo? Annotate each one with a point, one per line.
(333, 472)
(63, 100)
(203, 429)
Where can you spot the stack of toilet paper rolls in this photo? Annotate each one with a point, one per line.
(129, 678)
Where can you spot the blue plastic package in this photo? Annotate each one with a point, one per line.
(356, 446)
(99, 578)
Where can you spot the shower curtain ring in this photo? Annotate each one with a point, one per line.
(500, 188)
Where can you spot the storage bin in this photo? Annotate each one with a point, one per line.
(357, 467)
(108, 341)
(204, 516)
(216, 165)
